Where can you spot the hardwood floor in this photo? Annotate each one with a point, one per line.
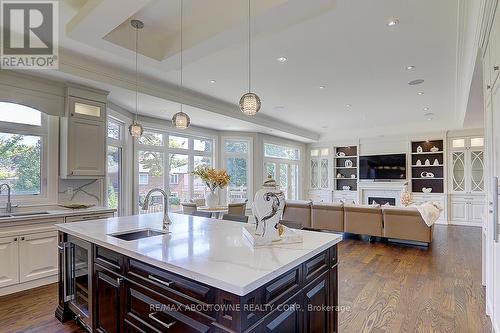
(387, 288)
(393, 288)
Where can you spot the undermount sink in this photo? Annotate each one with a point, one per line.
(4, 216)
(29, 213)
(138, 234)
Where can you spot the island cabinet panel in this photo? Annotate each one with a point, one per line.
(108, 295)
(132, 296)
(316, 299)
(180, 289)
(148, 311)
(286, 318)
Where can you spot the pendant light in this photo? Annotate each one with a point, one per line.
(250, 103)
(136, 129)
(181, 120)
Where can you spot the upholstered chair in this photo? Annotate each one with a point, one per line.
(188, 208)
(237, 208)
(200, 202)
(235, 218)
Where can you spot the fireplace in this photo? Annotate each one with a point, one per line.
(382, 201)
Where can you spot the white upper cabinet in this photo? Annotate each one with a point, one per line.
(467, 165)
(83, 134)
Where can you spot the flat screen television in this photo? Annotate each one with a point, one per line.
(382, 167)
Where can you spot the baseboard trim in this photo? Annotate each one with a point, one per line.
(28, 285)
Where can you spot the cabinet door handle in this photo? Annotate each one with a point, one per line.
(15, 239)
(167, 326)
(119, 281)
(165, 283)
(496, 68)
(22, 238)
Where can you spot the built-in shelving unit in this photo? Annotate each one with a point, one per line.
(431, 155)
(347, 167)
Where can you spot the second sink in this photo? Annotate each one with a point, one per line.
(138, 234)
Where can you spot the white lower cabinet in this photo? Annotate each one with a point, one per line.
(467, 210)
(9, 267)
(420, 198)
(38, 256)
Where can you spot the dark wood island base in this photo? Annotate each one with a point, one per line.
(127, 295)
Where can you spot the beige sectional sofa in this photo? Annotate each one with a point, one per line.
(401, 223)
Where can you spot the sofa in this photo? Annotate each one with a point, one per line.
(395, 223)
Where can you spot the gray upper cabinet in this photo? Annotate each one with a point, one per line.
(83, 134)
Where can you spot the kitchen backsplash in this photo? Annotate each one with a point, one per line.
(81, 191)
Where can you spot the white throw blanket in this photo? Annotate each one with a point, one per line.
(430, 212)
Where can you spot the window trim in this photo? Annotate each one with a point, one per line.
(248, 156)
(49, 164)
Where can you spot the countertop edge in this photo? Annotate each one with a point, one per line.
(206, 280)
(64, 212)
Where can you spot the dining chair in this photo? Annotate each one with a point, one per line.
(202, 214)
(235, 218)
(188, 208)
(237, 208)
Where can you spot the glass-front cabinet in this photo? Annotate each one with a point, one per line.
(319, 168)
(467, 165)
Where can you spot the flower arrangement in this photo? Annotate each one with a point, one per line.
(214, 178)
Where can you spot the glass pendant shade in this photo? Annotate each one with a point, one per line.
(135, 129)
(181, 120)
(250, 104)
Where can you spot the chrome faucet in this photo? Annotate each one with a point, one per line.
(8, 207)
(145, 205)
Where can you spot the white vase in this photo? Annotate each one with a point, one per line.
(211, 199)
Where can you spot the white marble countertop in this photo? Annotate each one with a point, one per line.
(210, 251)
(51, 212)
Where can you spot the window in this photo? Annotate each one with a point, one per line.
(114, 167)
(237, 163)
(23, 136)
(177, 155)
(283, 164)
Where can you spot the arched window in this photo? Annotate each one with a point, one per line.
(21, 155)
(19, 114)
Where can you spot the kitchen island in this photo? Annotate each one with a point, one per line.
(126, 274)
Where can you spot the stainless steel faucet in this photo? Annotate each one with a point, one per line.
(8, 207)
(145, 205)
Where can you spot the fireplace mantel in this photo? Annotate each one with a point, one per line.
(380, 189)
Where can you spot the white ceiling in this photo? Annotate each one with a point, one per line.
(344, 45)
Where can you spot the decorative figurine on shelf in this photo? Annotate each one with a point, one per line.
(427, 162)
(426, 174)
(353, 176)
(348, 163)
(436, 162)
(420, 149)
(434, 149)
(268, 206)
(406, 197)
(346, 188)
(427, 189)
(339, 175)
(340, 154)
(419, 162)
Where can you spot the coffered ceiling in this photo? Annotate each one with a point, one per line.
(345, 46)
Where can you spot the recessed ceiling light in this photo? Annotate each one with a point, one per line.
(416, 82)
(420, 93)
(392, 22)
(322, 87)
(279, 107)
(348, 105)
(212, 81)
(426, 108)
(408, 68)
(429, 114)
(282, 59)
(325, 127)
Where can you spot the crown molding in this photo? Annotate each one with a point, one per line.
(91, 69)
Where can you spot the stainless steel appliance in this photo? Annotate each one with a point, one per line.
(77, 278)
